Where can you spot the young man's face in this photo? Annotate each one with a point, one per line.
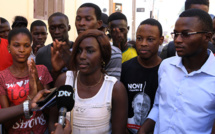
(148, 40)
(4, 30)
(39, 36)
(213, 38)
(191, 45)
(86, 19)
(118, 30)
(58, 28)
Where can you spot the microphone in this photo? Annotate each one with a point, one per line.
(65, 101)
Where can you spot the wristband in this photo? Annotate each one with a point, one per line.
(26, 110)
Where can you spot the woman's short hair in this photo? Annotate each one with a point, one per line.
(102, 40)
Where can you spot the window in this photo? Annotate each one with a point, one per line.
(44, 8)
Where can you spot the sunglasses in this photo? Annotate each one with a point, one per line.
(185, 34)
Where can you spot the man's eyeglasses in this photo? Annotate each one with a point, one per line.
(185, 34)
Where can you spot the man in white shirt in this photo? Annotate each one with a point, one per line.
(184, 101)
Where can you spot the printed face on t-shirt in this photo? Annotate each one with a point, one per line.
(141, 106)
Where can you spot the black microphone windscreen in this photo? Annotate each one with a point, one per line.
(65, 97)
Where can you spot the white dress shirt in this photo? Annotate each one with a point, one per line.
(184, 103)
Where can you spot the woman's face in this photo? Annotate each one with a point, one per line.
(89, 56)
(20, 47)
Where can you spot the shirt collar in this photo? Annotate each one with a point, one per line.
(208, 67)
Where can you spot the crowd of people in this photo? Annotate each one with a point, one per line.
(120, 87)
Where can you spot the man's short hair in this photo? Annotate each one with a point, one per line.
(98, 11)
(117, 16)
(204, 18)
(188, 3)
(3, 20)
(59, 14)
(37, 23)
(153, 22)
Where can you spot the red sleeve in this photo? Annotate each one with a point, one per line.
(2, 84)
(5, 57)
(44, 74)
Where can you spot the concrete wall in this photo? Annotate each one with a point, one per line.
(10, 8)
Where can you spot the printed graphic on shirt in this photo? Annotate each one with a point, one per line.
(134, 87)
(17, 92)
(22, 124)
(141, 105)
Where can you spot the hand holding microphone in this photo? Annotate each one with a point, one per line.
(63, 96)
(60, 130)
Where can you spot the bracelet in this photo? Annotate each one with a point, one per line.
(26, 110)
(29, 98)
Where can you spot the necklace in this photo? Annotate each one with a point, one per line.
(91, 85)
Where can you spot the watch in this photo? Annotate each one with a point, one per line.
(28, 114)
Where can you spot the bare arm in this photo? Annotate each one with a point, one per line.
(60, 55)
(9, 113)
(119, 109)
(147, 127)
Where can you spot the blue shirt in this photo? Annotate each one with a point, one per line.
(184, 103)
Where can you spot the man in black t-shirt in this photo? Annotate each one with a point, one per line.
(139, 75)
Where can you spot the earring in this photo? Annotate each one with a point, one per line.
(103, 64)
(9, 51)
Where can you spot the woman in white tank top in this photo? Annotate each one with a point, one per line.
(100, 100)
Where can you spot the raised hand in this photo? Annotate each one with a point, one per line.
(116, 35)
(36, 48)
(60, 55)
(33, 78)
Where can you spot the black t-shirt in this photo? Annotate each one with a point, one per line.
(141, 85)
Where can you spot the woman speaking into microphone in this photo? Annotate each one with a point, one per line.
(100, 100)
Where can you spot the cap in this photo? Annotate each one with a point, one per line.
(104, 18)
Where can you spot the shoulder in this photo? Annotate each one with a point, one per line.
(41, 67)
(44, 49)
(110, 78)
(60, 80)
(129, 62)
(5, 71)
(170, 60)
(4, 41)
(131, 49)
(166, 63)
(119, 91)
(115, 49)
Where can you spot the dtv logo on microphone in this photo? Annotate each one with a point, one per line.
(64, 93)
